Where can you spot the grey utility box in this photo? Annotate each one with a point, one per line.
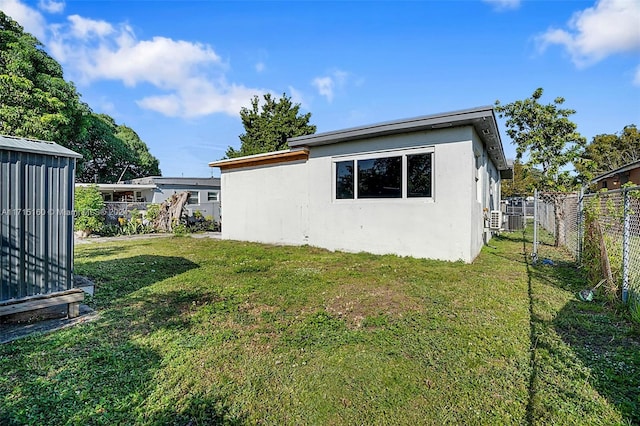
(36, 226)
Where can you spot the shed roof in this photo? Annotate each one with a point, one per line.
(481, 118)
(13, 143)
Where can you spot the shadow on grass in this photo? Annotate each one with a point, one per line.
(94, 380)
(609, 346)
(582, 342)
(117, 278)
(92, 252)
(103, 372)
(199, 410)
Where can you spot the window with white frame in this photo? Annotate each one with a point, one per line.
(212, 196)
(392, 174)
(194, 197)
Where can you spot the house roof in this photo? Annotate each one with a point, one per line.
(284, 156)
(183, 181)
(612, 173)
(118, 186)
(481, 118)
(35, 146)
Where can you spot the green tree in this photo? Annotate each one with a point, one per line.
(608, 152)
(550, 141)
(112, 152)
(268, 126)
(525, 181)
(145, 164)
(35, 100)
(544, 135)
(105, 156)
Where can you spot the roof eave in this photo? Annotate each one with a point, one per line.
(481, 118)
(297, 154)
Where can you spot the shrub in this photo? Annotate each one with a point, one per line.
(153, 211)
(181, 229)
(109, 230)
(89, 209)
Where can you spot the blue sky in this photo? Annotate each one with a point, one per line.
(178, 72)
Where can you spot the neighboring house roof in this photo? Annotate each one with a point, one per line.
(153, 182)
(182, 181)
(481, 118)
(117, 186)
(13, 143)
(613, 173)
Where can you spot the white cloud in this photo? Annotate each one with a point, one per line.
(186, 79)
(610, 27)
(260, 66)
(326, 85)
(504, 4)
(201, 98)
(189, 77)
(31, 20)
(83, 27)
(51, 6)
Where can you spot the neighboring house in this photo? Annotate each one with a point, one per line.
(204, 194)
(616, 178)
(421, 187)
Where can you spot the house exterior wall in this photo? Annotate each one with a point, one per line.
(634, 176)
(36, 224)
(486, 182)
(266, 204)
(207, 208)
(294, 203)
(435, 228)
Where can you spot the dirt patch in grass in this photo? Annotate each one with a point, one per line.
(354, 304)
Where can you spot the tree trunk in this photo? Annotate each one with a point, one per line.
(560, 234)
(171, 212)
(560, 231)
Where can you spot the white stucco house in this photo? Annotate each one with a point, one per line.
(421, 187)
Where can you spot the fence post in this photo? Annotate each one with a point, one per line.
(625, 246)
(535, 224)
(580, 229)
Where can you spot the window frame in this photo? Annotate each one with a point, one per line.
(216, 194)
(189, 200)
(372, 155)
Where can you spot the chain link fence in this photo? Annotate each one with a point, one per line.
(604, 225)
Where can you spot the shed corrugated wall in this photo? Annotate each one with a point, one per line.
(36, 223)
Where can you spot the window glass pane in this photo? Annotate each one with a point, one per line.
(419, 175)
(344, 180)
(212, 196)
(194, 197)
(380, 178)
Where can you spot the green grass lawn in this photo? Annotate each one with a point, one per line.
(199, 331)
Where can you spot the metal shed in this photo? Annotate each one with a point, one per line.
(36, 225)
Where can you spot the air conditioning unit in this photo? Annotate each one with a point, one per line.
(495, 220)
